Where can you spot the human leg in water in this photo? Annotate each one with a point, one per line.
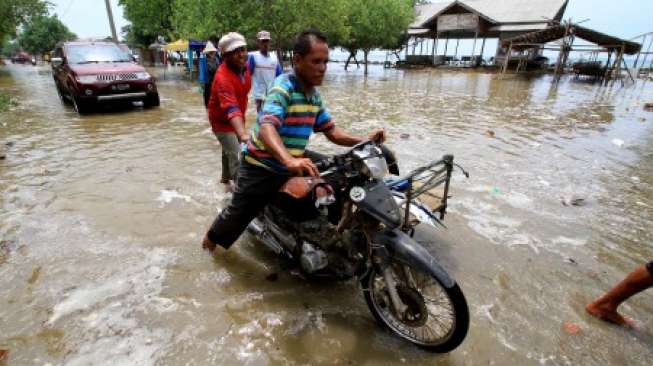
(605, 307)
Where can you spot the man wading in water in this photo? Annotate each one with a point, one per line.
(228, 102)
(264, 67)
(293, 110)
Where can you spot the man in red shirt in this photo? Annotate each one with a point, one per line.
(228, 102)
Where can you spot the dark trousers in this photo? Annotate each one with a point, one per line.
(255, 188)
(207, 94)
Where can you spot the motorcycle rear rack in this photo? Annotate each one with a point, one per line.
(423, 181)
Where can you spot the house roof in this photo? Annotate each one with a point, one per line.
(557, 32)
(496, 11)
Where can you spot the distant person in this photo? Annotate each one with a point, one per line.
(605, 307)
(228, 102)
(211, 67)
(264, 67)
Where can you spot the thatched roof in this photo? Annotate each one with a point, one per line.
(497, 11)
(558, 31)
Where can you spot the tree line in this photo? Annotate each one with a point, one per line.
(28, 25)
(355, 25)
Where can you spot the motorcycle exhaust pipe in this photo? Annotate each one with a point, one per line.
(256, 228)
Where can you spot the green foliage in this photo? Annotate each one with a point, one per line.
(42, 33)
(204, 19)
(377, 24)
(14, 13)
(353, 24)
(10, 47)
(149, 19)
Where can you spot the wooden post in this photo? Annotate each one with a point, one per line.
(620, 56)
(433, 52)
(421, 46)
(628, 71)
(507, 59)
(414, 45)
(474, 47)
(456, 53)
(482, 48)
(435, 47)
(639, 53)
(446, 45)
(606, 74)
(645, 55)
(561, 55)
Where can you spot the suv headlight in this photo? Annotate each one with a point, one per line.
(87, 79)
(143, 75)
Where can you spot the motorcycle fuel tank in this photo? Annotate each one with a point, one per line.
(377, 200)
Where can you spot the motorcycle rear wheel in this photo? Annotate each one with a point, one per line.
(437, 318)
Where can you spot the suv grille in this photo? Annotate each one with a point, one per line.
(117, 77)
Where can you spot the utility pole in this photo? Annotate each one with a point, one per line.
(113, 26)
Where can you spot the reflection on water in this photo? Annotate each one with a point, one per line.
(102, 216)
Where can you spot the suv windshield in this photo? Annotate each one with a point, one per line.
(83, 54)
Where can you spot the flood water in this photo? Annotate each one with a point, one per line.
(102, 218)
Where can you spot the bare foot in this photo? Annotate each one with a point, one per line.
(208, 244)
(608, 314)
(228, 187)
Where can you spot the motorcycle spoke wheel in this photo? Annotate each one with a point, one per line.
(436, 318)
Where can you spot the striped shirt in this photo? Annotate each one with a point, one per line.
(295, 115)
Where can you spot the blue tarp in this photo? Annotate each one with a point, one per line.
(203, 71)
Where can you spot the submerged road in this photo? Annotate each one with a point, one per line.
(101, 218)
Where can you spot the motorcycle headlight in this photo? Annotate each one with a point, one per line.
(143, 75)
(87, 79)
(375, 167)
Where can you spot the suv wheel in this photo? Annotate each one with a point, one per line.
(60, 93)
(152, 100)
(81, 106)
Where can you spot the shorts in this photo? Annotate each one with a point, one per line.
(230, 155)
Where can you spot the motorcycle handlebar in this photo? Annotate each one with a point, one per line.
(323, 165)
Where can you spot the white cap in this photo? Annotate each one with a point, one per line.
(209, 47)
(231, 41)
(263, 35)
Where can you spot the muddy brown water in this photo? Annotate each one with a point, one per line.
(102, 218)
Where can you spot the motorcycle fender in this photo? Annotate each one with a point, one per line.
(404, 249)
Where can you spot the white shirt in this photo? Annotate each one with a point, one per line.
(263, 70)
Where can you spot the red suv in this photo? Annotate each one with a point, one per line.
(88, 73)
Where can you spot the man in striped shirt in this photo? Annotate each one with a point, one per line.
(292, 111)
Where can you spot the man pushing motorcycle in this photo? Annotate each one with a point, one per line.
(293, 110)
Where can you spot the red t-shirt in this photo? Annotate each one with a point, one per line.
(228, 97)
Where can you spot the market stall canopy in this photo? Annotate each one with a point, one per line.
(179, 45)
(156, 46)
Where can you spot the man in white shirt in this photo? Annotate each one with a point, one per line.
(264, 68)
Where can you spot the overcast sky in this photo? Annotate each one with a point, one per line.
(623, 18)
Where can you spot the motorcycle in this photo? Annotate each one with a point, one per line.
(356, 221)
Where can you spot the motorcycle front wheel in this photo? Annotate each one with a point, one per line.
(436, 318)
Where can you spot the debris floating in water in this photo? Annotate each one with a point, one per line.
(618, 142)
(489, 133)
(167, 196)
(648, 106)
(571, 328)
(571, 260)
(572, 200)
